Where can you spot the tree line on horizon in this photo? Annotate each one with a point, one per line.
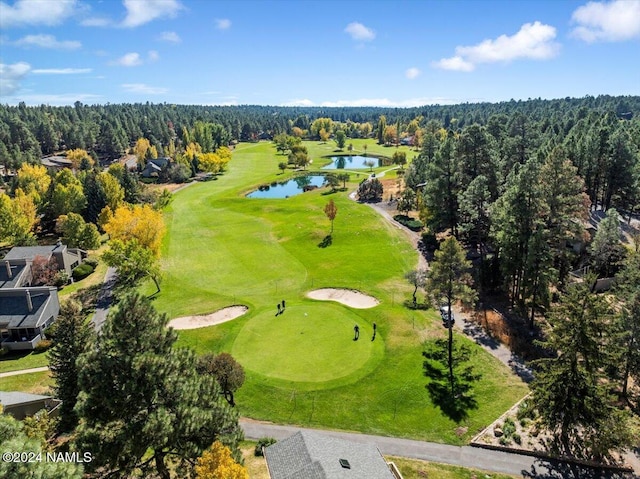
(108, 131)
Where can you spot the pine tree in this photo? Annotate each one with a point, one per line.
(570, 390)
(142, 401)
(449, 280)
(73, 336)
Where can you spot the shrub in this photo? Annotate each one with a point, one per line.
(92, 261)
(60, 279)
(526, 410)
(517, 438)
(411, 223)
(509, 427)
(263, 442)
(430, 241)
(82, 271)
(42, 346)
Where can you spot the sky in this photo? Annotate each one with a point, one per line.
(316, 53)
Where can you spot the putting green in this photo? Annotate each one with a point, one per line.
(308, 343)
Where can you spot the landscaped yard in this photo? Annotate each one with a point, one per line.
(303, 367)
(35, 383)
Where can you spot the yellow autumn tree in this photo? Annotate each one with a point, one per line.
(34, 180)
(17, 218)
(140, 149)
(113, 191)
(140, 222)
(76, 156)
(217, 463)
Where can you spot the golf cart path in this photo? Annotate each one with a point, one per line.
(24, 371)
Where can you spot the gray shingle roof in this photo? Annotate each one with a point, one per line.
(30, 252)
(12, 398)
(17, 272)
(311, 455)
(14, 312)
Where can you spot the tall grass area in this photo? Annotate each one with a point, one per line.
(222, 248)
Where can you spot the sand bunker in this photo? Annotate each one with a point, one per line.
(348, 297)
(217, 317)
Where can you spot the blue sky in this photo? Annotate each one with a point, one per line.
(382, 53)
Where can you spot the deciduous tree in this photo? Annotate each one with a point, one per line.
(76, 233)
(228, 372)
(217, 463)
(139, 222)
(331, 210)
(133, 260)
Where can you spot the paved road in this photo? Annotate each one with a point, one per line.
(495, 461)
(24, 371)
(104, 299)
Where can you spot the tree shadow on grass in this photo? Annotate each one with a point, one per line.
(454, 396)
(325, 242)
(455, 408)
(552, 469)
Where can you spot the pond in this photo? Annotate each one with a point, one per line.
(355, 162)
(292, 187)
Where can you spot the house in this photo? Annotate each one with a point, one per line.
(25, 311)
(312, 455)
(25, 315)
(407, 141)
(155, 166)
(21, 405)
(56, 162)
(66, 258)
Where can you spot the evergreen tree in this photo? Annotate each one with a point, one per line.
(606, 249)
(628, 293)
(72, 337)
(449, 281)
(142, 401)
(570, 390)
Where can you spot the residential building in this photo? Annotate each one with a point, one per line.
(313, 455)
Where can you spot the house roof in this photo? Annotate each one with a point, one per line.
(14, 310)
(18, 270)
(311, 455)
(30, 252)
(15, 398)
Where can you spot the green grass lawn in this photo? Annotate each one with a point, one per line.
(34, 383)
(416, 469)
(21, 360)
(223, 248)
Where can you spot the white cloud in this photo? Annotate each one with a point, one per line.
(607, 21)
(96, 22)
(47, 41)
(223, 23)
(36, 12)
(144, 89)
(61, 71)
(11, 76)
(56, 100)
(128, 60)
(385, 102)
(359, 32)
(454, 63)
(412, 73)
(171, 37)
(140, 12)
(153, 56)
(533, 40)
(299, 102)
